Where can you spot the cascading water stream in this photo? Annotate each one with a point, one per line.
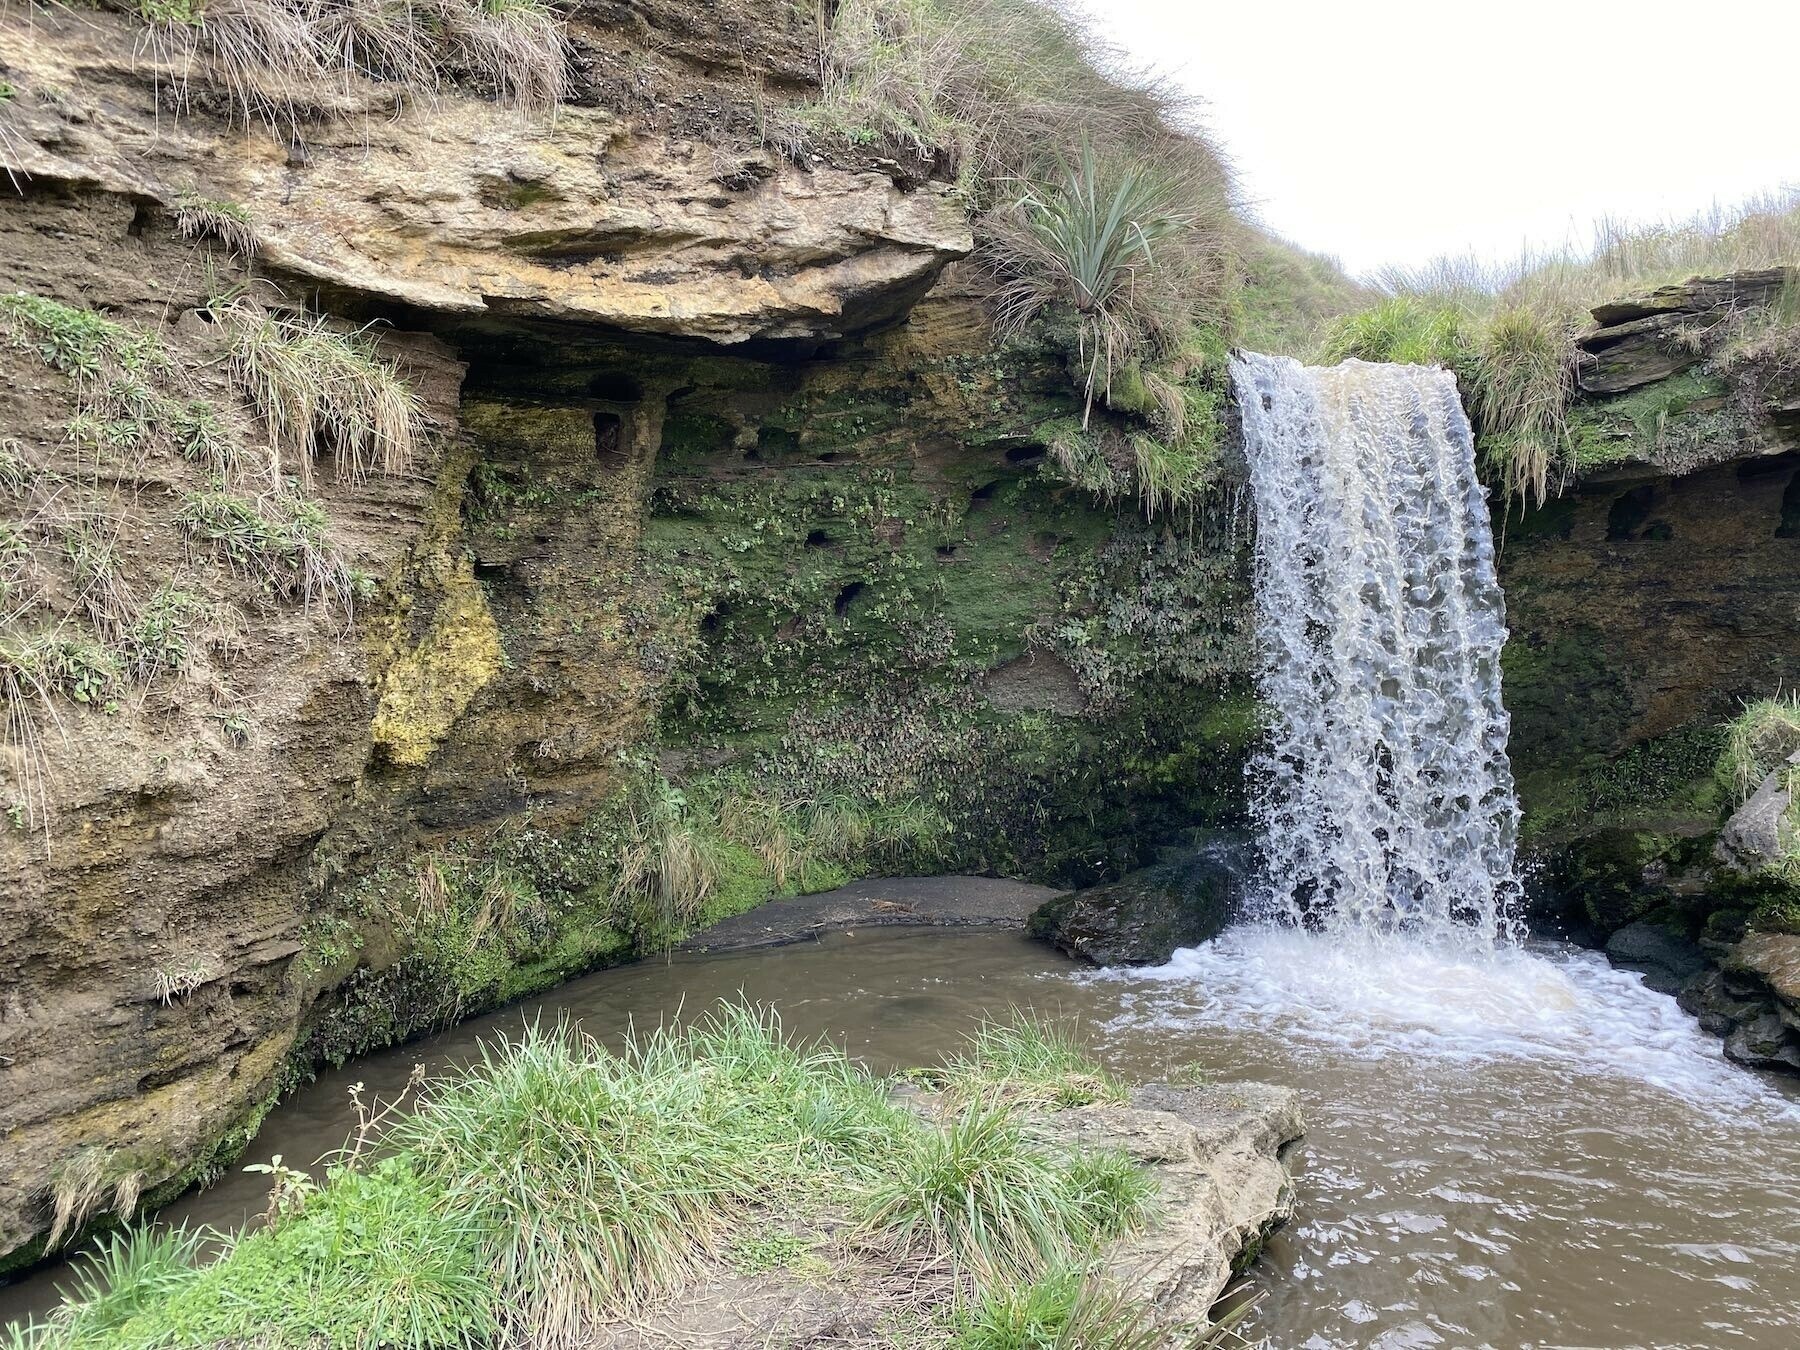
(1384, 797)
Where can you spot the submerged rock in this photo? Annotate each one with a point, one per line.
(1666, 959)
(1141, 919)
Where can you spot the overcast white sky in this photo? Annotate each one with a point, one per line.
(1396, 131)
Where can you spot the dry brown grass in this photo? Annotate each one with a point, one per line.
(275, 59)
(321, 391)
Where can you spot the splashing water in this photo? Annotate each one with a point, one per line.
(1384, 797)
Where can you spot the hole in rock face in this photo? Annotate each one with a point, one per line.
(847, 597)
(1790, 510)
(983, 495)
(713, 622)
(776, 440)
(609, 439)
(493, 575)
(140, 221)
(829, 457)
(1658, 530)
(819, 539)
(615, 387)
(1025, 454)
(1629, 513)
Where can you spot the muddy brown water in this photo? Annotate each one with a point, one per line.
(1562, 1163)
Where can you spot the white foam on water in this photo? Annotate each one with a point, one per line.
(1374, 995)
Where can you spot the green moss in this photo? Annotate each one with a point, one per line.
(1670, 421)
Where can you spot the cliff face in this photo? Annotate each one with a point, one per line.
(1647, 604)
(717, 487)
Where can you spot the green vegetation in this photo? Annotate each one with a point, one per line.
(1068, 1309)
(556, 1186)
(80, 618)
(980, 1192)
(492, 920)
(321, 391)
(1091, 237)
(279, 542)
(1509, 333)
(198, 217)
(1104, 219)
(277, 58)
(1758, 742)
(1027, 1060)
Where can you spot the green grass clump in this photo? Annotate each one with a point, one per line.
(592, 1181)
(1066, 1309)
(159, 639)
(1524, 377)
(1757, 742)
(281, 543)
(1406, 329)
(1029, 1059)
(1001, 1206)
(77, 341)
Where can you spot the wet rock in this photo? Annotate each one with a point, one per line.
(1752, 1000)
(1142, 918)
(1763, 1043)
(1666, 959)
(1772, 962)
(1755, 837)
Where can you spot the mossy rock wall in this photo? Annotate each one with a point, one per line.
(1645, 606)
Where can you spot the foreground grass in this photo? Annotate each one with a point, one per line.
(556, 1186)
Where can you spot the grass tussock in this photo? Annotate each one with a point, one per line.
(1758, 741)
(1510, 332)
(95, 1180)
(276, 59)
(281, 543)
(198, 218)
(320, 391)
(555, 1186)
(1028, 1059)
(1069, 1309)
(978, 1189)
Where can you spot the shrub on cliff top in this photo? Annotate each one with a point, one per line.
(1510, 332)
(1099, 205)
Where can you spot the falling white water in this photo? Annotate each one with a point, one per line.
(1384, 796)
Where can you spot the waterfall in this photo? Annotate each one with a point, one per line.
(1383, 796)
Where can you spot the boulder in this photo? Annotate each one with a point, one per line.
(1141, 919)
(1644, 339)
(1757, 835)
(1666, 959)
